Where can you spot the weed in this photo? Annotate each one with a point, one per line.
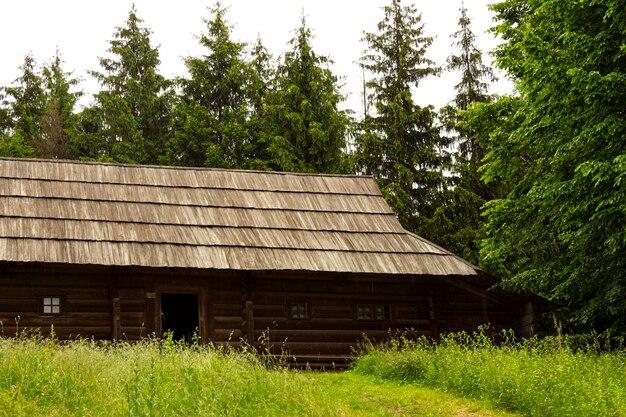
(547, 377)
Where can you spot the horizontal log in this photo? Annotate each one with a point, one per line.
(227, 322)
(102, 305)
(332, 298)
(315, 336)
(295, 348)
(333, 285)
(42, 279)
(132, 317)
(227, 309)
(27, 291)
(132, 305)
(226, 334)
(63, 332)
(132, 332)
(325, 324)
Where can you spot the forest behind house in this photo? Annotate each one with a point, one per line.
(530, 186)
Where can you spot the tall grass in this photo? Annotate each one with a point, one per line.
(43, 377)
(533, 377)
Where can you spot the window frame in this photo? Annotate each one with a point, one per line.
(373, 312)
(51, 305)
(293, 303)
(360, 308)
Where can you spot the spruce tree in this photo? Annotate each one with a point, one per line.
(472, 88)
(26, 110)
(59, 123)
(457, 225)
(400, 143)
(262, 77)
(305, 129)
(211, 118)
(132, 110)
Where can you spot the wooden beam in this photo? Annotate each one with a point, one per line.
(249, 322)
(117, 322)
(477, 291)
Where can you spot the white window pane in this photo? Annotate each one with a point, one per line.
(56, 301)
(47, 309)
(364, 312)
(56, 310)
(47, 301)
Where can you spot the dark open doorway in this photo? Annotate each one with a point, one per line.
(179, 314)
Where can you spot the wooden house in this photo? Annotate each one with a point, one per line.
(312, 262)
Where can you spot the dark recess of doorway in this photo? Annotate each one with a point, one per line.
(179, 314)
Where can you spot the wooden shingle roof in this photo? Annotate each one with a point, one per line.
(129, 215)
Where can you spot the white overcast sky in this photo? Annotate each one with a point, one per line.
(81, 30)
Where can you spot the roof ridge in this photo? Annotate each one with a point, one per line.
(191, 187)
(182, 168)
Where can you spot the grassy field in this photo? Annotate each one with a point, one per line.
(45, 378)
(81, 378)
(550, 377)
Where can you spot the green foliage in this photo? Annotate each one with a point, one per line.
(130, 121)
(262, 77)
(211, 117)
(37, 116)
(304, 128)
(457, 225)
(560, 231)
(401, 144)
(534, 377)
(14, 146)
(26, 109)
(59, 122)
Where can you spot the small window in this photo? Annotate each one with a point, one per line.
(363, 312)
(379, 312)
(51, 305)
(298, 310)
(383, 312)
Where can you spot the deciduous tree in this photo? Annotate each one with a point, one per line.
(561, 230)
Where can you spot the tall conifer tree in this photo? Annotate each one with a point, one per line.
(60, 123)
(26, 108)
(457, 225)
(400, 142)
(305, 129)
(262, 78)
(212, 113)
(132, 111)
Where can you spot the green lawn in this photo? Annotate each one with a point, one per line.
(553, 377)
(45, 378)
(359, 395)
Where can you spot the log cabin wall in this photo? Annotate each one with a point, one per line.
(303, 314)
(421, 306)
(115, 303)
(85, 300)
(328, 321)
